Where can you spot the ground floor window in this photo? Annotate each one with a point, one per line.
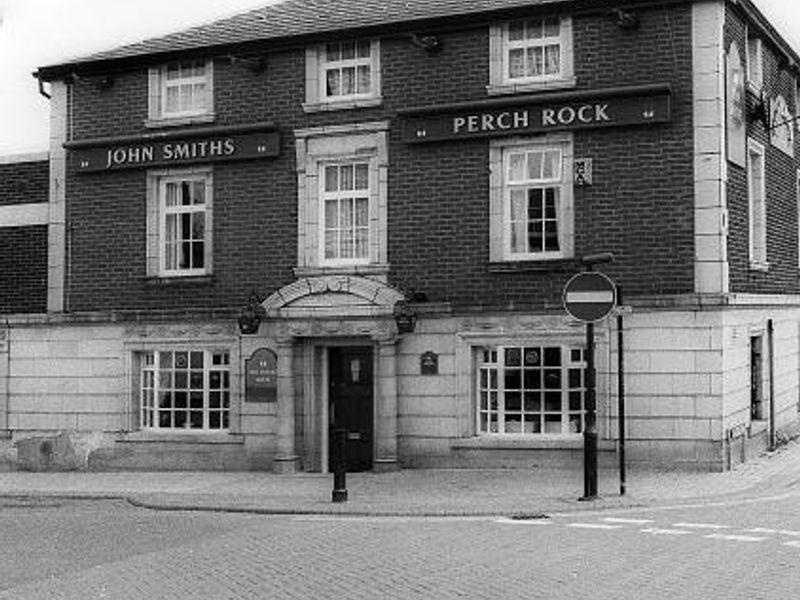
(531, 390)
(185, 389)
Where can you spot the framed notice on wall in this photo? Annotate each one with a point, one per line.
(261, 376)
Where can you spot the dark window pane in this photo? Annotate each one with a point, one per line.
(552, 401)
(513, 379)
(164, 419)
(533, 402)
(513, 357)
(552, 379)
(533, 424)
(533, 379)
(575, 425)
(197, 380)
(214, 399)
(180, 419)
(533, 357)
(576, 355)
(181, 360)
(197, 420)
(180, 399)
(181, 380)
(197, 399)
(513, 402)
(552, 357)
(575, 401)
(575, 378)
(214, 420)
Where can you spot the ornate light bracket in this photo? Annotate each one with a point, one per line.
(405, 317)
(250, 316)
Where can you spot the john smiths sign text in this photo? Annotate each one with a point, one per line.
(211, 145)
(637, 106)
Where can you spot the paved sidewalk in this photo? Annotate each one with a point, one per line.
(412, 492)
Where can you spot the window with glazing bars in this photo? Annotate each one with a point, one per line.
(185, 389)
(531, 390)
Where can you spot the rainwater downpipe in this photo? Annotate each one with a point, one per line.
(771, 366)
(7, 383)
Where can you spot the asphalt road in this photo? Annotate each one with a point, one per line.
(86, 550)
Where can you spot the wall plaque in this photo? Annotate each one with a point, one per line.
(429, 363)
(261, 376)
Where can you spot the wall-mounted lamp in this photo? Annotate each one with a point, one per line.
(624, 19)
(757, 109)
(405, 317)
(429, 43)
(250, 316)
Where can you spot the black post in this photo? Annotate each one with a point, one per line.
(590, 429)
(340, 466)
(771, 364)
(621, 394)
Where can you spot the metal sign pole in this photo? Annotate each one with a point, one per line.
(590, 430)
(621, 395)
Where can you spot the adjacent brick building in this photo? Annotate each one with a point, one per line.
(362, 215)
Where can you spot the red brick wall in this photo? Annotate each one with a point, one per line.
(23, 269)
(782, 217)
(640, 206)
(24, 182)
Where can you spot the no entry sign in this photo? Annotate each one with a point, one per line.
(589, 297)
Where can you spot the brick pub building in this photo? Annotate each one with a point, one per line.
(362, 215)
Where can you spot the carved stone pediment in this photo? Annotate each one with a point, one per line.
(332, 296)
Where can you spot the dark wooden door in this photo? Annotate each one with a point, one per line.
(350, 393)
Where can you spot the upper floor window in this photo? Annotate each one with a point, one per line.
(530, 55)
(345, 204)
(757, 202)
(179, 223)
(182, 91)
(342, 199)
(755, 63)
(342, 74)
(531, 199)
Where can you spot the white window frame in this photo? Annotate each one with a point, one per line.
(157, 212)
(500, 196)
(755, 64)
(336, 145)
(149, 385)
(500, 47)
(757, 205)
(317, 67)
(488, 388)
(159, 116)
(341, 196)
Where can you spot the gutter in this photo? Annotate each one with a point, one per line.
(256, 46)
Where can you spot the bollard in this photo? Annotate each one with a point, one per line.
(339, 466)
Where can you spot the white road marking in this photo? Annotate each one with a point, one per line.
(507, 521)
(789, 533)
(735, 538)
(629, 521)
(761, 530)
(659, 531)
(792, 544)
(593, 526)
(700, 526)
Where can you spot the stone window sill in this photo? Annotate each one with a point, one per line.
(365, 270)
(159, 281)
(759, 266)
(499, 89)
(180, 437)
(560, 264)
(179, 121)
(316, 107)
(528, 442)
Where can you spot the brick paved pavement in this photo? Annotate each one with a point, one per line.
(431, 492)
